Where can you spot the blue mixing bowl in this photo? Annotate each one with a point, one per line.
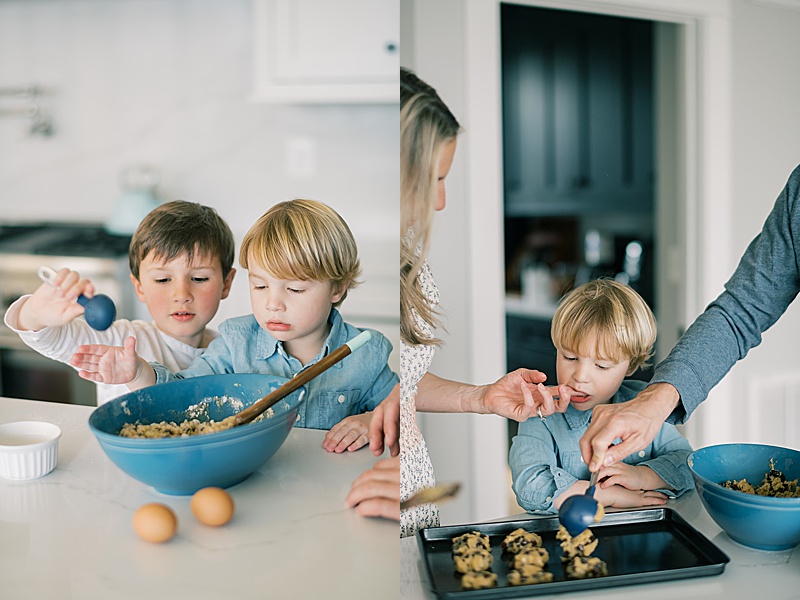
(760, 522)
(185, 465)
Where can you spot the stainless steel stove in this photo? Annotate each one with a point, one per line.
(86, 248)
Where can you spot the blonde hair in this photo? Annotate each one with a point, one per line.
(614, 315)
(304, 239)
(182, 228)
(426, 126)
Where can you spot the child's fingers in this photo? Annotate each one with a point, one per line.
(361, 441)
(351, 436)
(653, 500)
(69, 284)
(91, 376)
(130, 346)
(84, 360)
(334, 436)
(82, 286)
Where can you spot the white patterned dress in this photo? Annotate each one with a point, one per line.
(416, 470)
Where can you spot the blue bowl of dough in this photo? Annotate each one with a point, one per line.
(762, 522)
(183, 465)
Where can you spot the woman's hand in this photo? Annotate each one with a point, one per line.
(376, 492)
(506, 398)
(385, 423)
(348, 434)
(544, 403)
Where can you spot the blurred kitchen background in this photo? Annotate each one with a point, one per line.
(644, 140)
(108, 108)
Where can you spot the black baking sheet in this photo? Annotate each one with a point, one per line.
(638, 546)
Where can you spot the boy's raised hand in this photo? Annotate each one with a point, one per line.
(54, 306)
(348, 434)
(108, 364)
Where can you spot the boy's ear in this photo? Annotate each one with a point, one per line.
(226, 287)
(138, 287)
(339, 291)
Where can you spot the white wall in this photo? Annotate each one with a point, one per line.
(166, 82)
(765, 130)
(766, 148)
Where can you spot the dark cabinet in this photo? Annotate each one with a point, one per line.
(577, 112)
(528, 345)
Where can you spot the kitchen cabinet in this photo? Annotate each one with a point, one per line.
(318, 51)
(528, 345)
(577, 113)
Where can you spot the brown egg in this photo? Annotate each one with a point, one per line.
(212, 506)
(155, 522)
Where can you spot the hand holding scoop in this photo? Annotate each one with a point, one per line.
(581, 510)
(99, 310)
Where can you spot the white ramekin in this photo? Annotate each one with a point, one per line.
(28, 449)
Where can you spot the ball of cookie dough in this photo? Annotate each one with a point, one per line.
(470, 541)
(528, 575)
(520, 539)
(582, 544)
(531, 556)
(582, 567)
(476, 559)
(478, 580)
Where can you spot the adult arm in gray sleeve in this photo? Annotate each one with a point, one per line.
(765, 282)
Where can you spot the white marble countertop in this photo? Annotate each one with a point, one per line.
(750, 573)
(68, 535)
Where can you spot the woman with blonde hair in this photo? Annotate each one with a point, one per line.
(428, 133)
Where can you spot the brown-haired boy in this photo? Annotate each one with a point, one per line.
(181, 259)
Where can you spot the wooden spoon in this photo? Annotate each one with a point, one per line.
(303, 377)
(438, 493)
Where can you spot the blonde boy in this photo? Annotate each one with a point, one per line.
(301, 260)
(603, 332)
(181, 261)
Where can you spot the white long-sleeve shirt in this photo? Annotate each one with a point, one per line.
(60, 343)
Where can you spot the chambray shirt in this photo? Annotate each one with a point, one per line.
(545, 456)
(765, 282)
(354, 385)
